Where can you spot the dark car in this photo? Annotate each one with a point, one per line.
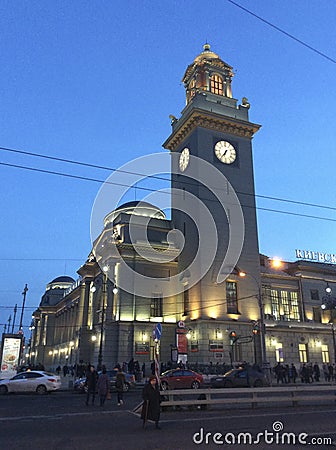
(181, 379)
(80, 384)
(241, 377)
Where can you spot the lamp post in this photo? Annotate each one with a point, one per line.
(13, 325)
(100, 353)
(262, 330)
(24, 293)
(106, 269)
(329, 303)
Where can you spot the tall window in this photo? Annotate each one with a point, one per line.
(325, 354)
(90, 308)
(314, 294)
(285, 305)
(231, 297)
(279, 357)
(216, 84)
(186, 302)
(317, 314)
(45, 327)
(156, 305)
(192, 86)
(303, 353)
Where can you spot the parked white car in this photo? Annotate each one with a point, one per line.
(37, 381)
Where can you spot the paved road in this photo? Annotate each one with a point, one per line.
(62, 421)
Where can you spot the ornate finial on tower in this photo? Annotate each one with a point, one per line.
(208, 73)
(245, 103)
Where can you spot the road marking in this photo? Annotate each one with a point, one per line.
(172, 420)
(58, 416)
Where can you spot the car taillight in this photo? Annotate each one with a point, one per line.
(52, 380)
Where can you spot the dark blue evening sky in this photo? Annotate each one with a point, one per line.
(95, 81)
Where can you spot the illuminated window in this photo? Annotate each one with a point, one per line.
(215, 346)
(216, 84)
(294, 313)
(45, 327)
(156, 305)
(90, 311)
(194, 346)
(285, 305)
(192, 90)
(231, 297)
(303, 353)
(279, 357)
(325, 354)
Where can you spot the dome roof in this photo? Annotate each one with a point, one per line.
(62, 282)
(206, 54)
(63, 279)
(139, 208)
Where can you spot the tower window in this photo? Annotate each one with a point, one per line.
(231, 297)
(216, 84)
(156, 305)
(192, 86)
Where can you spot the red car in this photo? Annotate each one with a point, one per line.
(181, 379)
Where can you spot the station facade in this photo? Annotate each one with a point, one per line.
(257, 313)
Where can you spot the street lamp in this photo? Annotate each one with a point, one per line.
(106, 269)
(329, 304)
(100, 353)
(262, 330)
(24, 293)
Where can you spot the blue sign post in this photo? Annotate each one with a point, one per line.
(157, 336)
(158, 331)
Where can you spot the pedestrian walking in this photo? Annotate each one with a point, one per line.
(120, 386)
(317, 372)
(151, 405)
(91, 383)
(103, 386)
(293, 373)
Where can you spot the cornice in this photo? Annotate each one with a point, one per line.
(212, 121)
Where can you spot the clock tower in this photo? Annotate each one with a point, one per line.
(213, 128)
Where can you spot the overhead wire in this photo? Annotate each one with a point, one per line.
(173, 302)
(282, 31)
(157, 177)
(96, 180)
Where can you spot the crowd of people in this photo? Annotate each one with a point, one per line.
(307, 373)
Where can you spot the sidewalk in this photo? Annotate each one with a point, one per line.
(67, 382)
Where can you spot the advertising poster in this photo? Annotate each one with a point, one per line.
(181, 340)
(10, 355)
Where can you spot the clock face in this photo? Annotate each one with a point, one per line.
(225, 152)
(184, 159)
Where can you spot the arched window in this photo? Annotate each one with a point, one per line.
(216, 85)
(192, 88)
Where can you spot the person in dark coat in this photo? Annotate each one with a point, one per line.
(151, 404)
(103, 386)
(91, 383)
(120, 385)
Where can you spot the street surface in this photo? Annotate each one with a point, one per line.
(62, 421)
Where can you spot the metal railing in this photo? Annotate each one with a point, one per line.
(249, 397)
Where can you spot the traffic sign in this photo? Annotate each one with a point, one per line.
(158, 331)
